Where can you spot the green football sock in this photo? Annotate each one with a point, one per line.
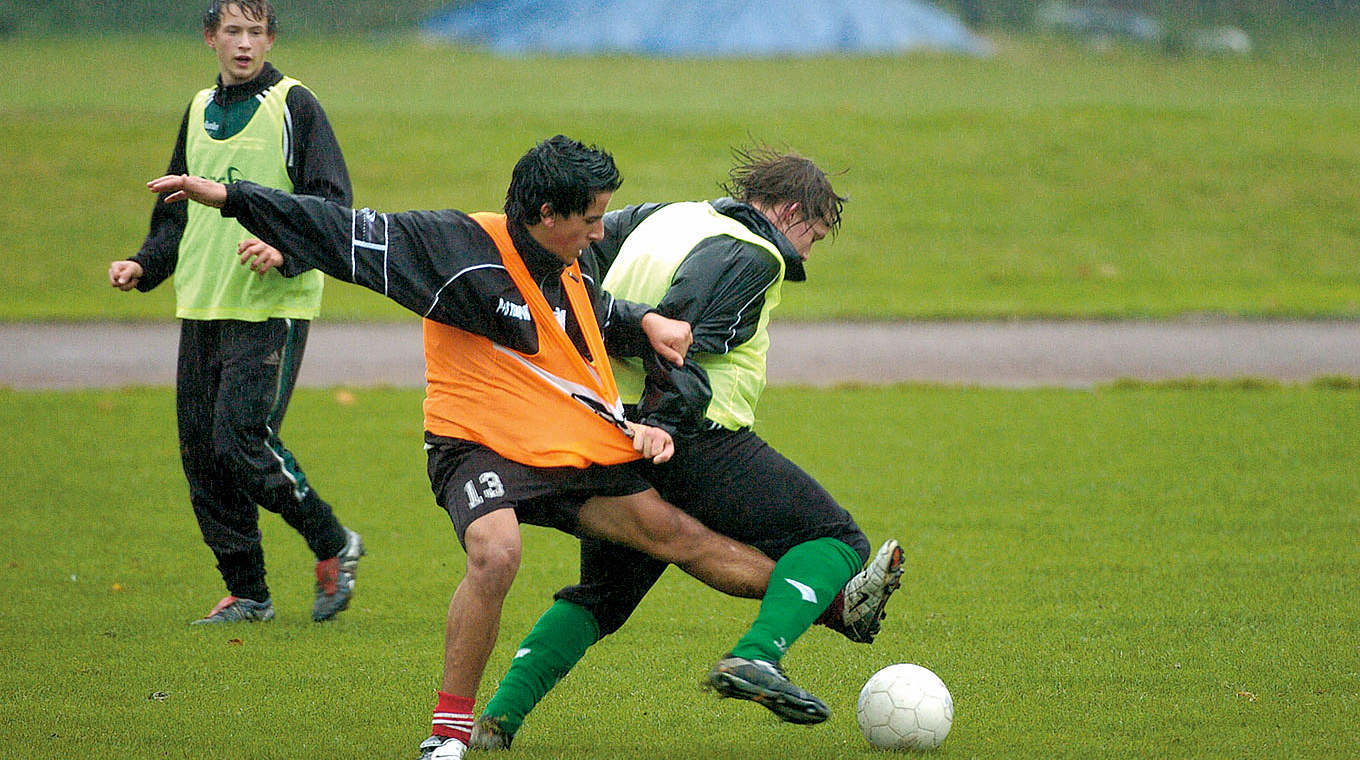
(802, 584)
(558, 641)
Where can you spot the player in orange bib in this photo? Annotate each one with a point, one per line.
(523, 418)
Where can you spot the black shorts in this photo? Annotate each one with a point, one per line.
(738, 485)
(470, 480)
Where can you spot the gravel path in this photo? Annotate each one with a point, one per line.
(1004, 354)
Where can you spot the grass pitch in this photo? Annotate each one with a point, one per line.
(1124, 572)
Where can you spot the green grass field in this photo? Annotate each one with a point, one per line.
(1043, 181)
(1122, 572)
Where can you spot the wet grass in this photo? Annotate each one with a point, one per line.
(1146, 571)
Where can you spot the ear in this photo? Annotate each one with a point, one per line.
(208, 38)
(546, 215)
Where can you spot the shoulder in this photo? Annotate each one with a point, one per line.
(300, 96)
(738, 253)
(454, 232)
(628, 217)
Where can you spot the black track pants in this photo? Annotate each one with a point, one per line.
(234, 382)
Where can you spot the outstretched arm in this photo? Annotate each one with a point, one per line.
(312, 235)
(430, 262)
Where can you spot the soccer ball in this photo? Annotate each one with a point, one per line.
(905, 707)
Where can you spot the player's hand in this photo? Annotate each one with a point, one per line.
(670, 338)
(125, 275)
(259, 255)
(197, 189)
(652, 442)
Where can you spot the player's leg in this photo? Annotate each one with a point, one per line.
(803, 583)
(739, 485)
(614, 579)
(736, 484)
(493, 555)
(261, 364)
(825, 546)
(472, 626)
(645, 522)
(227, 520)
(481, 492)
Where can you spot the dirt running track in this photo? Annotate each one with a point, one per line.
(1004, 354)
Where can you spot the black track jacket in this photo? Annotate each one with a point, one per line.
(439, 264)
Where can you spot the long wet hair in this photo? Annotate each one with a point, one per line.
(767, 177)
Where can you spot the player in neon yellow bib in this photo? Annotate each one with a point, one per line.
(243, 330)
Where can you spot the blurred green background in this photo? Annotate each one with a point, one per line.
(1052, 178)
(365, 16)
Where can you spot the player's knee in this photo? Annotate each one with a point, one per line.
(493, 561)
(678, 538)
(493, 575)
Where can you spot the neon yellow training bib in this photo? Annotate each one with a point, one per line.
(210, 282)
(642, 273)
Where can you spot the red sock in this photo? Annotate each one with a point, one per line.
(453, 717)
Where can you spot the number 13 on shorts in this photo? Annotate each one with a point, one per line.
(487, 486)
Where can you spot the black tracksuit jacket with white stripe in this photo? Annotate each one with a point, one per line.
(317, 168)
(439, 264)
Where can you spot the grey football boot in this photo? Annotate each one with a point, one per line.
(765, 684)
(857, 611)
(238, 610)
(335, 578)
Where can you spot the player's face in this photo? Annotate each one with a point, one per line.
(803, 233)
(241, 44)
(566, 236)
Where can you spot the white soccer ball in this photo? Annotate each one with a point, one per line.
(905, 707)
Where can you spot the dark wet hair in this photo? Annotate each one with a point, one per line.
(563, 173)
(769, 178)
(255, 10)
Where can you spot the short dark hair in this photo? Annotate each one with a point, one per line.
(563, 173)
(255, 10)
(769, 178)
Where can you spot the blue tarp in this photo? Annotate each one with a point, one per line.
(716, 28)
